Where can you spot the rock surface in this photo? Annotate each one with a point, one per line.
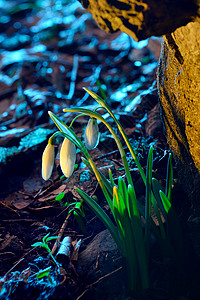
(102, 264)
(144, 18)
(179, 90)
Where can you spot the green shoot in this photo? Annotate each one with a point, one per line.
(169, 179)
(43, 273)
(79, 214)
(44, 244)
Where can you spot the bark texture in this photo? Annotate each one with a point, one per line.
(179, 91)
(142, 18)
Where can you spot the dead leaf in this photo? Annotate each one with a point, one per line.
(25, 274)
(21, 201)
(52, 195)
(76, 244)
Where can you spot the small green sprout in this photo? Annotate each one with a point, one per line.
(78, 212)
(59, 198)
(43, 273)
(44, 245)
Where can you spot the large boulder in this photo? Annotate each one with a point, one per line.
(142, 18)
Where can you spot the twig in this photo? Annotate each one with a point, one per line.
(41, 192)
(73, 77)
(98, 280)
(6, 253)
(106, 155)
(13, 266)
(9, 208)
(18, 262)
(93, 78)
(60, 234)
(117, 162)
(19, 220)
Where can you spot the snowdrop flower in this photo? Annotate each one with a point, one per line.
(67, 157)
(91, 134)
(47, 161)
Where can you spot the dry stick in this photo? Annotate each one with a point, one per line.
(73, 77)
(41, 191)
(106, 155)
(19, 220)
(21, 259)
(7, 253)
(95, 77)
(13, 266)
(98, 280)
(10, 208)
(60, 234)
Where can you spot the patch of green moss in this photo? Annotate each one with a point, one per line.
(84, 176)
(6, 152)
(34, 138)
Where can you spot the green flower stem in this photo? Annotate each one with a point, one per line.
(52, 139)
(127, 239)
(155, 206)
(99, 107)
(103, 217)
(96, 172)
(148, 201)
(138, 236)
(169, 179)
(81, 115)
(123, 156)
(119, 145)
(104, 105)
(68, 133)
(53, 257)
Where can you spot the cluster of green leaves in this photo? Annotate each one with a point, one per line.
(44, 244)
(133, 224)
(75, 208)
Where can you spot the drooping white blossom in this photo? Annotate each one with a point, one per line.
(92, 134)
(67, 157)
(47, 161)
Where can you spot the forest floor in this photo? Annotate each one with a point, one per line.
(49, 51)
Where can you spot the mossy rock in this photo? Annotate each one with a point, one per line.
(33, 139)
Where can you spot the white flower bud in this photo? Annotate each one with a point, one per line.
(47, 161)
(67, 157)
(92, 134)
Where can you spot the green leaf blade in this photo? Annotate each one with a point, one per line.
(148, 196)
(101, 215)
(43, 273)
(166, 203)
(37, 244)
(169, 178)
(138, 237)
